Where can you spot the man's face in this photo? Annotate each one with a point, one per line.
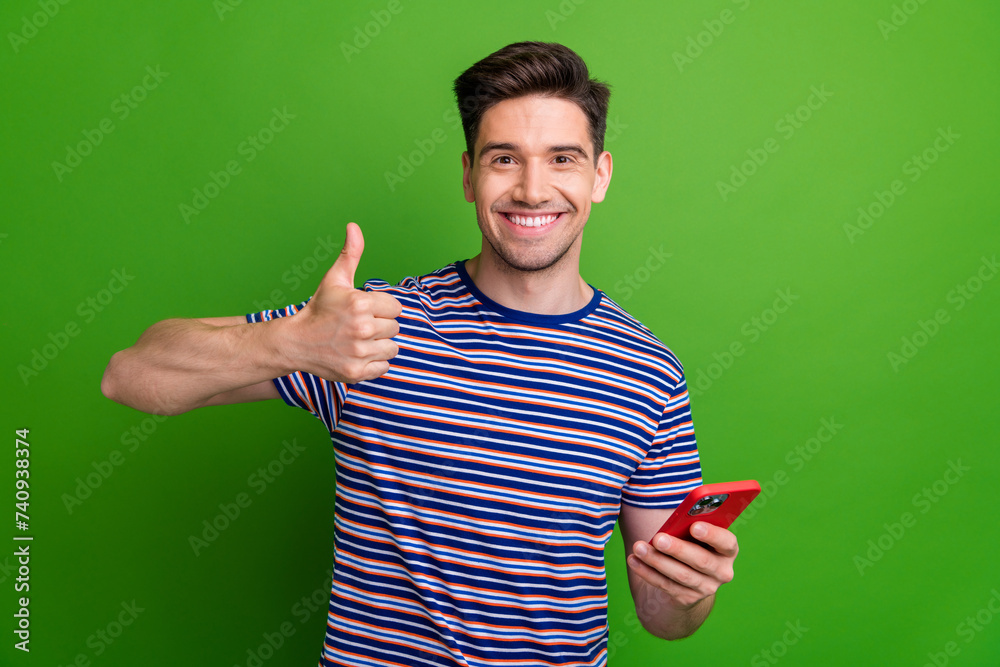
(533, 180)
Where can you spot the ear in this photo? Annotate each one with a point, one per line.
(470, 193)
(603, 179)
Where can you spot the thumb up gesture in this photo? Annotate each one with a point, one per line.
(345, 334)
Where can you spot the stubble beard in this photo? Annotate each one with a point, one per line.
(510, 263)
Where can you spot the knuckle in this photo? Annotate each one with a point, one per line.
(358, 303)
(365, 329)
(684, 577)
(354, 371)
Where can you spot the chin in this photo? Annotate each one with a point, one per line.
(527, 264)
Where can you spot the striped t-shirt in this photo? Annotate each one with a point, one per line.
(479, 479)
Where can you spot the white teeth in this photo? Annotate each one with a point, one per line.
(526, 221)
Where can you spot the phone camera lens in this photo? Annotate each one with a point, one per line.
(708, 504)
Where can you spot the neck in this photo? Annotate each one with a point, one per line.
(557, 290)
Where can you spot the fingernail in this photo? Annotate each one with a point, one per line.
(663, 543)
(699, 530)
(641, 549)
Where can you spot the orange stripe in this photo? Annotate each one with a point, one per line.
(439, 557)
(549, 437)
(563, 362)
(457, 620)
(383, 640)
(356, 655)
(556, 396)
(378, 506)
(307, 399)
(469, 495)
(451, 594)
(602, 345)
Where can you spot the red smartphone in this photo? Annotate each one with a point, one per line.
(717, 504)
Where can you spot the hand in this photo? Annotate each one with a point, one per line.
(686, 572)
(345, 334)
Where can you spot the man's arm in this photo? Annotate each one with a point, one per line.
(261, 391)
(342, 334)
(178, 365)
(673, 581)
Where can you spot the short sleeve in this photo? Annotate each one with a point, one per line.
(671, 467)
(322, 398)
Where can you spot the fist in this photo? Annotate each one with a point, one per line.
(345, 334)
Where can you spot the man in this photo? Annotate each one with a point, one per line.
(491, 419)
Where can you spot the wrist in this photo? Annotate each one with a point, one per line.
(274, 346)
(663, 616)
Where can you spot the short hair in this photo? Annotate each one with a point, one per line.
(531, 68)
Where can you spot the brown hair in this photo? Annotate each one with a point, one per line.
(530, 68)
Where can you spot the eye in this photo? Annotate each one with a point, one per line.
(563, 159)
(500, 159)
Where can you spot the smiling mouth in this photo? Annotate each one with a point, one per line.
(532, 220)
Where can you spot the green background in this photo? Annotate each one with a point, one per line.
(677, 128)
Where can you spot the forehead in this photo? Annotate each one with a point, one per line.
(534, 121)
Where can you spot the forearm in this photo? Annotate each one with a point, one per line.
(661, 616)
(178, 364)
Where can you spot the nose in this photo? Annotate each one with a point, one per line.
(531, 187)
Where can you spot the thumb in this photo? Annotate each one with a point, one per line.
(342, 271)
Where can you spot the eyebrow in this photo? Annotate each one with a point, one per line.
(507, 146)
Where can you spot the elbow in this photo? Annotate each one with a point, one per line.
(117, 386)
(656, 629)
(665, 633)
(109, 381)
